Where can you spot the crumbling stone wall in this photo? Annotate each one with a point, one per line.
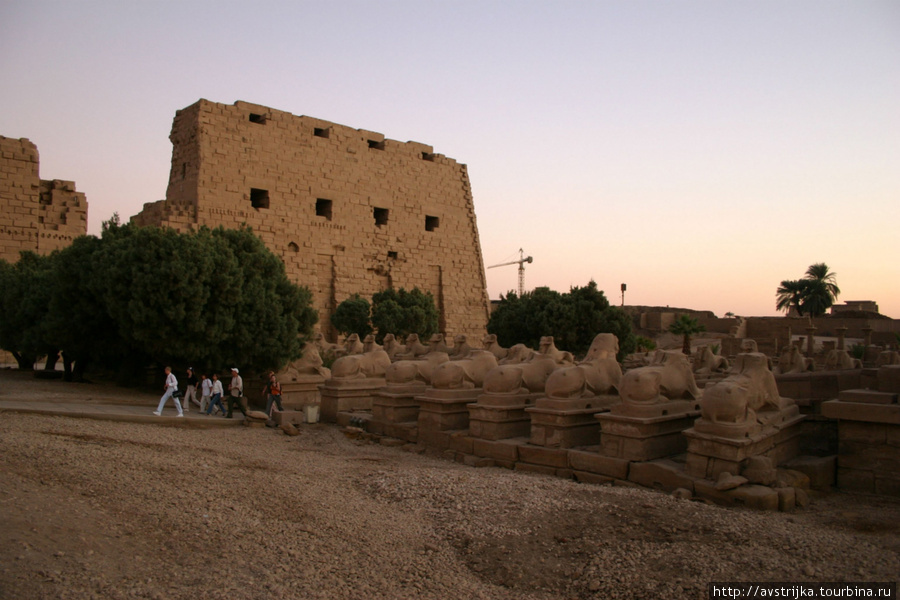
(347, 210)
(35, 214)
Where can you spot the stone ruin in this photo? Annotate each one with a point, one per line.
(35, 214)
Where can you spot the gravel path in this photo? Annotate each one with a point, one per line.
(93, 509)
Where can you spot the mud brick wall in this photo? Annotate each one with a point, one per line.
(346, 209)
(37, 215)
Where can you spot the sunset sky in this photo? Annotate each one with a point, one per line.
(699, 151)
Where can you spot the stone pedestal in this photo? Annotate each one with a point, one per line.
(500, 416)
(714, 448)
(345, 395)
(646, 432)
(397, 403)
(841, 334)
(810, 341)
(297, 394)
(869, 435)
(445, 410)
(568, 422)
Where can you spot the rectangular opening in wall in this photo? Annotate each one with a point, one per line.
(255, 118)
(428, 156)
(323, 208)
(392, 254)
(376, 144)
(322, 132)
(431, 223)
(259, 198)
(381, 216)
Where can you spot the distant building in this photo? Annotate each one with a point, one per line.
(855, 305)
(35, 214)
(346, 209)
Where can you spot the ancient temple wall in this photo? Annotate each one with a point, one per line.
(347, 210)
(36, 215)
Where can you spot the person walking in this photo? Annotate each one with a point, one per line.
(191, 391)
(273, 394)
(171, 388)
(217, 392)
(236, 393)
(205, 392)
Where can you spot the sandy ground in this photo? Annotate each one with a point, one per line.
(96, 509)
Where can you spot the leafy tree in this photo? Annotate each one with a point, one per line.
(216, 297)
(25, 289)
(644, 344)
(573, 319)
(813, 295)
(790, 295)
(352, 316)
(686, 326)
(403, 312)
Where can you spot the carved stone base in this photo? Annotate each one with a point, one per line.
(646, 432)
(397, 403)
(568, 422)
(297, 394)
(444, 410)
(345, 395)
(500, 416)
(710, 453)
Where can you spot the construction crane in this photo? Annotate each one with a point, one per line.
(521, 262)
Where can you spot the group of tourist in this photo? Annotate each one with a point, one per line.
(211, 392)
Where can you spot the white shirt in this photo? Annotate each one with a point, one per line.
(207, 386)
(171, 382)
(217, 388)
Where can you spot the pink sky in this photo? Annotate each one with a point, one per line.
(700, 152)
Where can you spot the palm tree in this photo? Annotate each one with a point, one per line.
(821, 289)
(790, 294)
(686, 326)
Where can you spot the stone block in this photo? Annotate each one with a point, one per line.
(889, 379)
(868, 397)
(870, 457)
(786, 498)
(887, 484)
(550, 457)
(855, 480)
(857, 411)
(500, 449)
(819, 469)
(861, 432)
(592, 462)
(660, 474)
(462, 443)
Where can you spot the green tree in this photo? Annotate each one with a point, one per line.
(573, 319)
(403, 312)
(814, 294)
(821, 289)
(790, 295)
(25, 289)
(352, 316)
(686, 326)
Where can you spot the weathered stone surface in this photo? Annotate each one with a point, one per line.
(660, 474)
(592, 462)
(820, 470)
(726, 481)
(346, 209)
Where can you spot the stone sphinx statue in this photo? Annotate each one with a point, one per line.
(840, 360)
(360, 366)
(729, 407)
(464, 373)
(599, 373)
(392, 346)
(436, 344)
(706, 363)
(489, 343)
(414, 347)
(352, 345)
(887, 358)
(308, 366)
(518, 354)
(548, 348)
(409, 371)
(670, 377)
(324, 347)
(461, 349)
(791, 361)
(370, 344)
